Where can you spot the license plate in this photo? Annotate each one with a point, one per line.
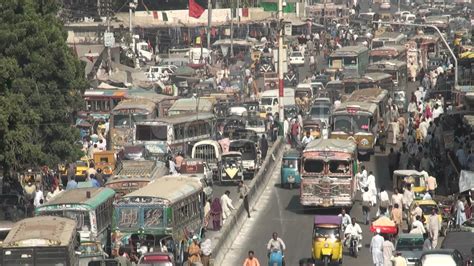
(291, 179)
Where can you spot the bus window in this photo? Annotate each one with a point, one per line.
(313, 166)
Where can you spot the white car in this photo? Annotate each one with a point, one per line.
(385, 5)
(160, 72)
(296, 58)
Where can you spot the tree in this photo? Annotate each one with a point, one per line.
(41, 83)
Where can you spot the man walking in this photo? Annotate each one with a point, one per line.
(376, 248)
(263, 146)
(388, 249)
(433, 227)
(227, 207)
(243, 192)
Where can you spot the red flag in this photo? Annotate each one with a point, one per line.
(195, 10)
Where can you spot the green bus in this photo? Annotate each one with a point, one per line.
(45, 240)
(350, 60)
(167, 211)
(92, 208)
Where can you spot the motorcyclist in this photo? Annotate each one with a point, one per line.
(346, 219)
(276, 244)
(352, 230)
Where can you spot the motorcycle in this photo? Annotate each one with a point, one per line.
(276, 258)
(354, 246)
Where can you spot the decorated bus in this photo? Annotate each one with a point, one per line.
(328, 169)
(91, 208)
(167, 211)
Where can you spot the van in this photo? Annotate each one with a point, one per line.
(269, 100)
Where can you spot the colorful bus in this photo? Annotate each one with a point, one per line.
(392, 52)
(175, 133)
(99, 103)
(396, 68)
(91, 208)
(165, 212)
(350, 60)
(138, 107)
(45, 240)
(328, 168)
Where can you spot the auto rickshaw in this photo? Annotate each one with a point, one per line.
(81, 168)
(231, 167)
(105, 160)
(314, 127)
(427, 207)
(290, 166)
(417, 180)
(327, 239)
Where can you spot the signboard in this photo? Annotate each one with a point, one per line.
(287, 29)
(109, 39)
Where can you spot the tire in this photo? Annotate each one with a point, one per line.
(355, 251)
(326, 261)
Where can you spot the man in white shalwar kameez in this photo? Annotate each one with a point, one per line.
(227, 207)
(372, 188)
(361, 178)
(376, 248)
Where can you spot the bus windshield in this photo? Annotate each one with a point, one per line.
(353, 123)
(121, 120)
(266, 101)
(148, 133)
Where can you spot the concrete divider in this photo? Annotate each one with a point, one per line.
(234, 223)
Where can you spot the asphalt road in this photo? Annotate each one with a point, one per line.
(279, 210)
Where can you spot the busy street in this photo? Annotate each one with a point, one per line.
(227, 132)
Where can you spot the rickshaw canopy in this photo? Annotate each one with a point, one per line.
(327, 219)
(292, 154)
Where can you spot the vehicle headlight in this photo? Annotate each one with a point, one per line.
(364, 142)
(326, 245)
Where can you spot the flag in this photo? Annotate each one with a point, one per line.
(195, 9)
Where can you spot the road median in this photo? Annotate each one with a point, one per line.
(234, 223)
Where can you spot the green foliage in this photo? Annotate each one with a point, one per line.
(40, 86)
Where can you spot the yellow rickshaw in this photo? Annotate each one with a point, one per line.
(416, 179)
(327, 239)
(314, 127)
(427, 207)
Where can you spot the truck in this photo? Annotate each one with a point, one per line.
(130, 175)
(269, 100)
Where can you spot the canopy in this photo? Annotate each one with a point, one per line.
(327, 219)
(466, 181)
(184, 71)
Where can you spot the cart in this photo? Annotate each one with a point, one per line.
(385, 225)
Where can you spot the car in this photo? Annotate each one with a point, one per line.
(462, 242)
(320, 111)
(296, 58)
(441, 257)
(157, 258)
(410, 246)
(255, 124)
(160, 72)
(385, 5)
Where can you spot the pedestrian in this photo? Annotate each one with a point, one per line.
(427, 245)
(408, 197)
(251, 260)
(433, 227)
(227, 207)
(295, 130)
(243, 194)
(206, 250)
(51, 193)
(397, 198)
(372, 188)
(431, 185)
(388, 249)
(94, 181)
(307, 138)
(172, 166)
(417, 227)
(425, 163)
(263, 146)
(178, 161)
(361, 178)
(194, 251)
(216, 214)
(397, 216)
(460, 212)
(376, 248)
(39, 197)
(71, 184)
(384, 201)
(366, 196)
(398, 260)
(392, 162)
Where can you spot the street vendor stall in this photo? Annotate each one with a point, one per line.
(385, 225)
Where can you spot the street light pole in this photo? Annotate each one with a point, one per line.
(442, 38)
(281, 106)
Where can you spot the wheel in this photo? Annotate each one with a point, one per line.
(355, 251)
(326, 261)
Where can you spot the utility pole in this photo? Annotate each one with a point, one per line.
(209, 23)
(442, 38)
(109, 57)
(237, 13)
(281, 106)
(131, 6)
(232, 31)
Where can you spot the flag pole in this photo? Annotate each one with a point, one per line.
(209, 21)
